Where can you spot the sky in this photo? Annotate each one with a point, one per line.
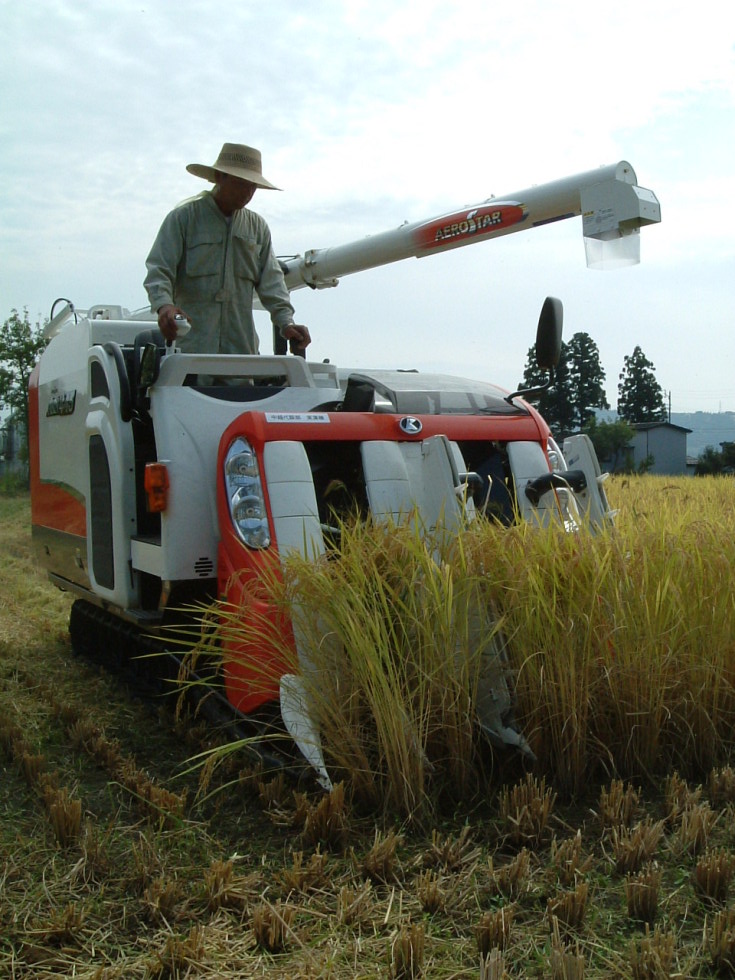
(372, 114)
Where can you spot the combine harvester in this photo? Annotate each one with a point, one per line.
(154, 489)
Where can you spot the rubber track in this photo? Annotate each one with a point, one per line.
(150, 671)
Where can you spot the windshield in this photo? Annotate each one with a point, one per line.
(413, 393)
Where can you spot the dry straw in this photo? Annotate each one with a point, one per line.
(567, 909)
(618, 805)
(569, 859)
(407, 952)
(431, 895)
(525, 809)
(566, 964)
(271, 926)
(512, 880)
(492, 966)
(634, 847)
(713, 873)
(652, 957)
(642, 893)
(720, 939)
(493, 930)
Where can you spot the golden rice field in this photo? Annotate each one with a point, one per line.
(611, 855)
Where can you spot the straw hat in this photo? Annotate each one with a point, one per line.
(237, 160)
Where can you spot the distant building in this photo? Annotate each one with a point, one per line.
(664, 443)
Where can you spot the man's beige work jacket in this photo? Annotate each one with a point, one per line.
(209, 266)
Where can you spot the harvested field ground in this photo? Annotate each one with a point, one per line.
(114, 863)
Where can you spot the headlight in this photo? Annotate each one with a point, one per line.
(241, 464)
(556, 456)
(245, 495)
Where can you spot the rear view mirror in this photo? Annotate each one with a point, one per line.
(548, 334)
(548, 346)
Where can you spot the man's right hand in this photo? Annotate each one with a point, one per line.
(167, 322)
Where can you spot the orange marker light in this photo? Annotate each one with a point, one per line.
(156, 487)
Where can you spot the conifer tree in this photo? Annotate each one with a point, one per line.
(640, 396)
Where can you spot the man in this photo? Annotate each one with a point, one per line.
(210, 254)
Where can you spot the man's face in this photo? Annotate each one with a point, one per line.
(233, 193)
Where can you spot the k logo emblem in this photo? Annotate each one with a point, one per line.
(410, 425)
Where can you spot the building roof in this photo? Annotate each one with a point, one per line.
(644, 426)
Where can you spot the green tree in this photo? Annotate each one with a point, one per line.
(587, 378)
(611, 441)
(640, 396)
(577, 388)
(20, 345)
(709, 462)
(728, 456)
(715, 461)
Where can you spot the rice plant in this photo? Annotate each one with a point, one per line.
(492, 966)
(451, 853)
(393, 637)
(721, 785)
(618, 645)
(326, 822)
(695, 829)
(566, 963)
(380, 863)
(621, 642)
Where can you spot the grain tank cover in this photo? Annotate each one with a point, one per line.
(414, 393)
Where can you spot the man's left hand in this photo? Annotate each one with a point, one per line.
(297, 336)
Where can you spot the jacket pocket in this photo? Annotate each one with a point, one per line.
(204, 256)
(246, 258)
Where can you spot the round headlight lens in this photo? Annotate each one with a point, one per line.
(245, 495)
